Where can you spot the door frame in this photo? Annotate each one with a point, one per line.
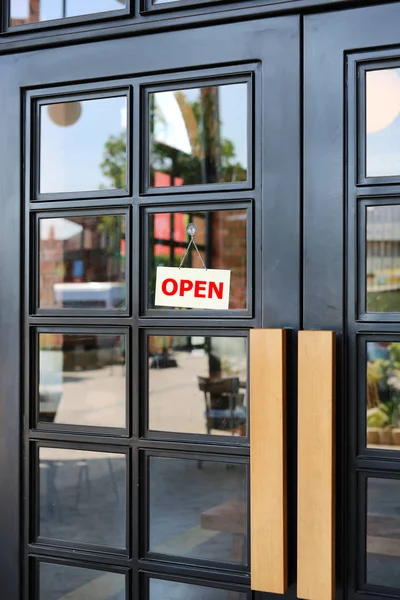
(331, 40)
(275, 44)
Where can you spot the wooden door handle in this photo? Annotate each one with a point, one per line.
(268, 460)
(316, 466)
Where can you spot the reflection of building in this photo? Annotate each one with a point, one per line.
(383, 249)
(220, 237)
(96, 253)
(33, 15)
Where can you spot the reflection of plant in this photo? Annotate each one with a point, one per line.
(377, 418)
(114, 163)
(385, 375)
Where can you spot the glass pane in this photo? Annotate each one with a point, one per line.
(221, 239)
(82, 496)
(62, 582)
(383, 122)
(23, 12)
(82, 262)
(174, 590)
(198, 509)
(383, 532)
(198, 135)
(383, 394)
(198, 384)
(383, 259)
(83, 145)
(82, 379)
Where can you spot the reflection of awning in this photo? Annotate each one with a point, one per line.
(59, 229)
(170, 128)
(64, 229)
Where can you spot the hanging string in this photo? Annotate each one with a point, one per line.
(191, 230)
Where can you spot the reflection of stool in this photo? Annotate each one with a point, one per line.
(83, 475)
(52, 502)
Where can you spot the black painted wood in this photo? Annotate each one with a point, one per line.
(335, 44)
(270, 51)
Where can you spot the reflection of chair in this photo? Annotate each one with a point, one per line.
(225, 410)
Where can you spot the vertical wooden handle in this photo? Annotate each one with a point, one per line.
(268, 460)
(316, 466)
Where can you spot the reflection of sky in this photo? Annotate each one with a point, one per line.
(62, 229)
(383, 150)
(233, 117)
(71, 155)
(383, 146)
(52, 9)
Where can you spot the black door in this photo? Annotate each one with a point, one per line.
(127, 461)
(351, 272)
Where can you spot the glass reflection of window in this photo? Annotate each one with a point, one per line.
(198, 136)
(383, 394)
(57, 581)
(83, 145)
(23, 12)
(83, 496)
(383, 122)
(82, 380)
(383, 259)
(222, 241)
(383, 533)
(82, 262)
(198, 384)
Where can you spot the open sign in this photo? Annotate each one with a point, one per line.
(192, 288)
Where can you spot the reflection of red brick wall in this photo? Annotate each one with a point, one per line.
(228, 243)
(51, 341)
(34, 14)
(228, 249)
(51, 267)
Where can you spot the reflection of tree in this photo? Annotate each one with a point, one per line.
(212, 159)
(384, 373)
(114, 162)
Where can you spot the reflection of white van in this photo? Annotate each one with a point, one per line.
(90, 295)
(50, 384)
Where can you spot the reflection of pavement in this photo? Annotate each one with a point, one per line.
(82, 497)
(70, 583)
(83, 494)
(95, 397)
(175, 400)
(180, 493)
(171, 590)
(383, 536)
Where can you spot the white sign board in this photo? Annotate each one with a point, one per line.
(192, 288)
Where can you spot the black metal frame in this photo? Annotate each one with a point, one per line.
(361, 281)
(34, 101)
(33, 481)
